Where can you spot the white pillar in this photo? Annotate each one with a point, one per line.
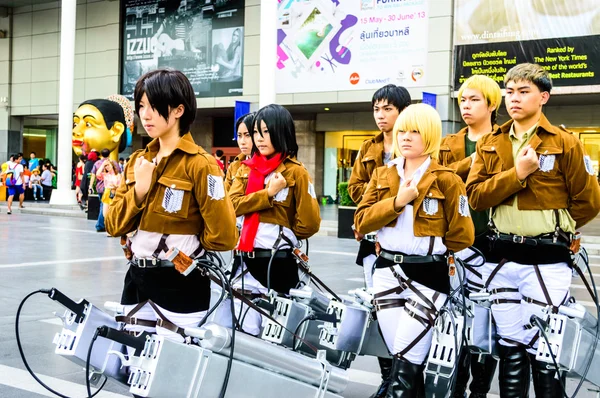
(268, 51)
(63, 195)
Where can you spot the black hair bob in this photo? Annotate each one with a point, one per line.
(397, 96)
(166, 89)
(112, 112)
(248, 120)
(281, 128)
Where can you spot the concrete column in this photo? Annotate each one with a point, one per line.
(268, 52)
(310, 151)
(64, 195)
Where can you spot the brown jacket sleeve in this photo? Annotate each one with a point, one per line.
(220, 232)
(123, 214)
(359, 179)
(307, 220)
(372, 214)
(487, 190)
(461, 231)
(251, 203)
(229, 178)
(584, 191)
(460, 167)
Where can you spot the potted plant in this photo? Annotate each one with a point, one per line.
(346, 211)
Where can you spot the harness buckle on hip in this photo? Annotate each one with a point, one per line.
(398, 258)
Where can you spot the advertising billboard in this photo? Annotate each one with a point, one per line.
(563, 36)
(202, 38)
(336, 45)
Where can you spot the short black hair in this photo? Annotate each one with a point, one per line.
(105, 152)
(112, 112)
(248, 120)
(397, 96)
(83, 158)
(121, 160)
(219, 153)
(281, 129)
(166, 89)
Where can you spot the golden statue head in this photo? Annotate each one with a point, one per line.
(103, 123)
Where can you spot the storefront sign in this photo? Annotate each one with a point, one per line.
(334, 45)
(202, 38)
(562, 36)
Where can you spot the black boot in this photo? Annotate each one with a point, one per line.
(406, 379)
(514, 375)
(385, 364)
(483, 373)
(462, 374)
(544, 383)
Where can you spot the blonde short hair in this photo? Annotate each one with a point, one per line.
(488, 87)
(424, 119)
(532, 73)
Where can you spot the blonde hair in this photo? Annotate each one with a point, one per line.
(424, 119)
(532, 73)
(488, 87)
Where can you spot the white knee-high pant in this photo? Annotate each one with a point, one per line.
(399, 329)
(511, 318)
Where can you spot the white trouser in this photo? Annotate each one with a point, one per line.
(399, 329)
(368, 266)
(250, 320)
(470, 279)
(147, 313)
(512, 317)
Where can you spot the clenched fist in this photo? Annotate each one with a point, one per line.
(527, 162)
(406, 194)
(142, 170)
(276, 184)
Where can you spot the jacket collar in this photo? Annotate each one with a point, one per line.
(375, 151)
(186, 144)
(505, 147)
(456, 143)
(424, 184)
(289, 159)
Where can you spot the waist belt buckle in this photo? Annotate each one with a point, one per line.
(518, 239)
(132, 321)
(251, 254)
(398, 258)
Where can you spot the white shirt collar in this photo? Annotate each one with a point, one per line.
(399, 163)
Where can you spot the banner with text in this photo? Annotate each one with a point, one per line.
(202, 38)
(563, 36)
(335, 45)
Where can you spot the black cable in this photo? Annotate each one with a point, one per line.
(536, 320)
(87, 365)
(269, 270)
(225, 283)
(18, 337)
(595, 343)
(306, 318)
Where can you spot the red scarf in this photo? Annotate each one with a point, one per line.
(260, 167)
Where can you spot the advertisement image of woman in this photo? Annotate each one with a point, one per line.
(274, 193)
(420, 212)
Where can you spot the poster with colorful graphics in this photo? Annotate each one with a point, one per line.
(337, 45)
(202, 38)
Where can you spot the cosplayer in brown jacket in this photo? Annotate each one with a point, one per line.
(243, 128)
(172, 196)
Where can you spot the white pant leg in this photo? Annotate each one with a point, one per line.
(368, 265)
(471, 279)
(557, 279)
(146, 313)
(182, 320)
(383, 279)
(507, 315)
(409, 328)
(250, 320)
